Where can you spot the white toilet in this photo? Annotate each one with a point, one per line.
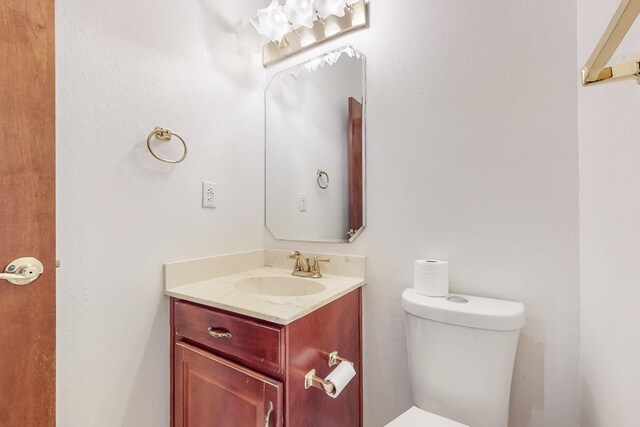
(461, 351)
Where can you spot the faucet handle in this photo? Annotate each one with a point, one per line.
(315, 269)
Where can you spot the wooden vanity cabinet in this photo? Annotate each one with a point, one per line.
(229, 370)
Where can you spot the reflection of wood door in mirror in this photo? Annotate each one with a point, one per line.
(355, 166)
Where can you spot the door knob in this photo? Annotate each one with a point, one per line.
(22, 271)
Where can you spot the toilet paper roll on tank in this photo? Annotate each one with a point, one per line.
(431, 277)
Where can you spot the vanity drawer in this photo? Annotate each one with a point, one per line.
(255, 344)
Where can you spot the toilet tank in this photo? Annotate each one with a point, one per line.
(461, 352)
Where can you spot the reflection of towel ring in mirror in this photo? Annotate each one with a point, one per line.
(319, 174)
(165, 135)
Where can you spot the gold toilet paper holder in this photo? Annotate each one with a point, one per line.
(334, 359)
(312, 380)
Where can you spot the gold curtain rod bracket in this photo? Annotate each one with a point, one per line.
(595, 70)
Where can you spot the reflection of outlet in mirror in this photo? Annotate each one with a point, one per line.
(208, 194)
(302, 202)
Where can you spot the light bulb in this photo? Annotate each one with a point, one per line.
(307, 40)
(331, 29)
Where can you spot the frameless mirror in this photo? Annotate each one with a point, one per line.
(315, 142)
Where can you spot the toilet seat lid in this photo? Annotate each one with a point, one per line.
(416, 417)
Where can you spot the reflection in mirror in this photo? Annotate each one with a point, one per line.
(315, 149)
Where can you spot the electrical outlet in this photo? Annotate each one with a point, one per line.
(302, 202)
(208, 194)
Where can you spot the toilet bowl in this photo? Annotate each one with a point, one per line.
(461, 351)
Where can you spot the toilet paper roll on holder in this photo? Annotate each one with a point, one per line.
(312, 380)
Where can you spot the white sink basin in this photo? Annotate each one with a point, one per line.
(279, 286)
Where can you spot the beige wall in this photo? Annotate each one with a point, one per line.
(472, 157)
(609, 234)
(124, 67)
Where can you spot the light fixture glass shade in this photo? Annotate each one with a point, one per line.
(327, 8)
(300, 12)
(273, 22)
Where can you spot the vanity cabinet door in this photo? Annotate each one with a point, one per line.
(213, 392)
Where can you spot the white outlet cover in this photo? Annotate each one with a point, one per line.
(208, 194)
(302, 202)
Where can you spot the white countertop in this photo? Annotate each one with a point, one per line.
(221, 292)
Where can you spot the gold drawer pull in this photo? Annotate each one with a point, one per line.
(218, 334)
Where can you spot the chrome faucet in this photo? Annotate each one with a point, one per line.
(302, 268)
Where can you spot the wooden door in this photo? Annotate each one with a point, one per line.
(355, 167)
(27, 211)
(213, 392)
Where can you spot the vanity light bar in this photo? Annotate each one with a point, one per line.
(356, 16)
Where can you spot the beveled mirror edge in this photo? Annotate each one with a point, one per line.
(364, 146)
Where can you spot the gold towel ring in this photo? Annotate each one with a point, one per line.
(319, 174)
(165, 135)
